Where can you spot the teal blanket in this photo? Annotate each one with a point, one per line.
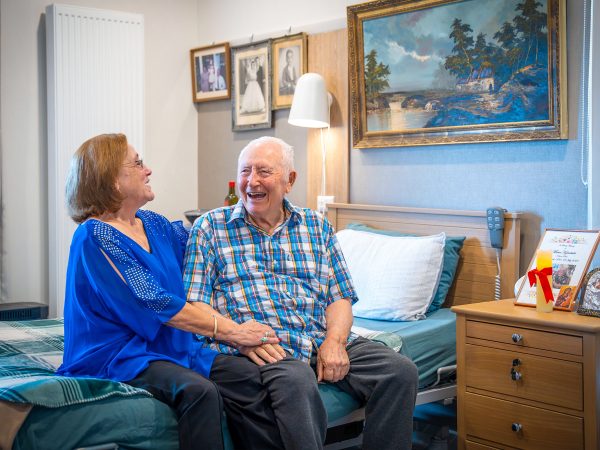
(30, 352)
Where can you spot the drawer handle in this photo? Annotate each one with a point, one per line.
(515, 375)
(516, 427)
(516, 337)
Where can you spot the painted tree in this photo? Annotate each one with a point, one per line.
(460, 62)
(483, 53)
(511, 46)
(531, 23)
(376, 76)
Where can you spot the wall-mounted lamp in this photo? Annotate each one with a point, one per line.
(310, 109)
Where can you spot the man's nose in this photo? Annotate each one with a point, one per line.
(253, 177)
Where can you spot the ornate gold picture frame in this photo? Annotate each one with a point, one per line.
(426, 72)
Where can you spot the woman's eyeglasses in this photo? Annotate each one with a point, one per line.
(139, 163)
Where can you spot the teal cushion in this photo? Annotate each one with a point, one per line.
(451, 256)
(337, 402)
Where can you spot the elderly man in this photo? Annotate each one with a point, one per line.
(268, 260)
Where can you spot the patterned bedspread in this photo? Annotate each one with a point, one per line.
(30, 352)
(388, 339)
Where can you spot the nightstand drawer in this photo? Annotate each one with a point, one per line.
(524, 337)
(548, 380)
(521, 426)
(470, 445)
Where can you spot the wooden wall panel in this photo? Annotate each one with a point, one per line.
(328, 56)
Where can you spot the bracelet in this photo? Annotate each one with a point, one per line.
(215, 328)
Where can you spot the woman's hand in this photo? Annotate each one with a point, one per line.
(252, 333)
(263, 354)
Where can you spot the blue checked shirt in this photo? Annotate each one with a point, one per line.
(285, 280)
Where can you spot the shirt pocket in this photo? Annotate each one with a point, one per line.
(242, 263)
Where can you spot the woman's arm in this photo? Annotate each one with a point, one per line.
(200, 318)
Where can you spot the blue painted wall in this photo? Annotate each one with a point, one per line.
(539, 178)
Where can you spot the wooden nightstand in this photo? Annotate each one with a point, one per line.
(527, 380)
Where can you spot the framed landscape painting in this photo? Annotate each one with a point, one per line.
(251, 73)
(456, 71)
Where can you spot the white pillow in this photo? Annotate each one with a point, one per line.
(395, 276)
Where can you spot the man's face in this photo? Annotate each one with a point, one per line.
(263, 181)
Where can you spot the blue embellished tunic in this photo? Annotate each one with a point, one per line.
(115, 322)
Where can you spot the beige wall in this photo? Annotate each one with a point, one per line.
(170, 127)
(218, 147)
(237, 21)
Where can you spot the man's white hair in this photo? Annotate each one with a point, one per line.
(287, 151)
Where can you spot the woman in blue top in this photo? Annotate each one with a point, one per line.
(126, 318)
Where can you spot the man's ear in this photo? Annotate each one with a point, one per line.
(291, 180)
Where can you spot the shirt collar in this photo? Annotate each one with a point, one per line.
(239, 212)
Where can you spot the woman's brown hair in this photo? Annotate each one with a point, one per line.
(91, 188)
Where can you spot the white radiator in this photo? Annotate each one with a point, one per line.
(95, 73)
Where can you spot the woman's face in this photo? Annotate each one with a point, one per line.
(133, 179)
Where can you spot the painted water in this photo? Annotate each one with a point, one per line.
(398, 119)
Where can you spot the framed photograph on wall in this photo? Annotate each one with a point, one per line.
(589, 300)
(211, 73)
(426, 72)
(572, 252)
(251, 75)
(289, 64)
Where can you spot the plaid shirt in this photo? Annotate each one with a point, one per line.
(285, 280)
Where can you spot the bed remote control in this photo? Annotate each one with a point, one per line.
(495, 222)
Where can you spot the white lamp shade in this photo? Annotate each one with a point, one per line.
(310, 105)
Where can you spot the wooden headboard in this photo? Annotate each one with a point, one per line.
(475, 276)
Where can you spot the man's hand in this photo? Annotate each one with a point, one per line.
(252, 333)
(332, 360)
(263, 354)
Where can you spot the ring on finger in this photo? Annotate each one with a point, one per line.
(264, 339)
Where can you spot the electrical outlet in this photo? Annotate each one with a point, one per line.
(322, 201)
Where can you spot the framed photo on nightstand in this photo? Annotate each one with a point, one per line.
(589, 300)
(572, 252)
